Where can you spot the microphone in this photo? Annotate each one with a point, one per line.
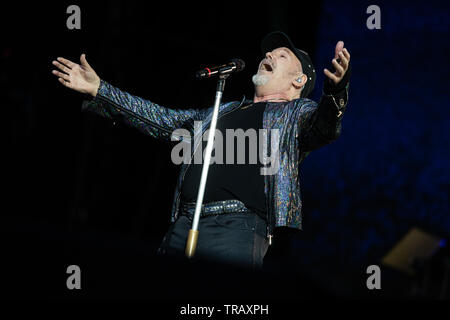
(235, 65)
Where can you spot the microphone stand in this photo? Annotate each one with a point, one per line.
(191, 244)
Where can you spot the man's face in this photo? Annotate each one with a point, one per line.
(277, 71)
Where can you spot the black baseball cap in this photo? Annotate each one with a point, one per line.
(278, 39)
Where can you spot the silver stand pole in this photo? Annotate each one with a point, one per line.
(193, 233)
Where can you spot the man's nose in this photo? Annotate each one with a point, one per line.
(269, 55)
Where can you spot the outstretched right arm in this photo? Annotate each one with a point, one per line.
(111, 102)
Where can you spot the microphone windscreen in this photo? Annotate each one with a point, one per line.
(240, 64)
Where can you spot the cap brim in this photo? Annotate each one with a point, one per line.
(276, 39)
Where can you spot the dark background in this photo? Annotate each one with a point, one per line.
(80, 190)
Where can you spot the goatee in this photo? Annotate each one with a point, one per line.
(260, 79)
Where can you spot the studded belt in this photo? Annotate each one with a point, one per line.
(214, 208)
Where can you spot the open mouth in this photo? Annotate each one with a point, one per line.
(266, 66)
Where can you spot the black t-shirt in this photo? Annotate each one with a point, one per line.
(230, 180)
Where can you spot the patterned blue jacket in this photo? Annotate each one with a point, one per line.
(303, 125)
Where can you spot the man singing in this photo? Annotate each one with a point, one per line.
(241, 206)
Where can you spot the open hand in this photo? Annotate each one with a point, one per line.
(81, 78)
(341, 67)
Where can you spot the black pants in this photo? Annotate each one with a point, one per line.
(233, 238)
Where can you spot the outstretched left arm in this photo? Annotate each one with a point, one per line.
(321, 124)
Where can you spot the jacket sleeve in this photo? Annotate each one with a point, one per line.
(150, 118)
(321, 123)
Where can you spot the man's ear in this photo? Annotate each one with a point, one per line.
(299, 81)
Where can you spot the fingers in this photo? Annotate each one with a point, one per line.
(346, 54)
(340, 70)
(61, 66)
(344, 61)
(65, 66)
(338, 48)
(341, 67)
(68, 63)
(84, 62)
(65, 83)
(330, 75)
(61, 75)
